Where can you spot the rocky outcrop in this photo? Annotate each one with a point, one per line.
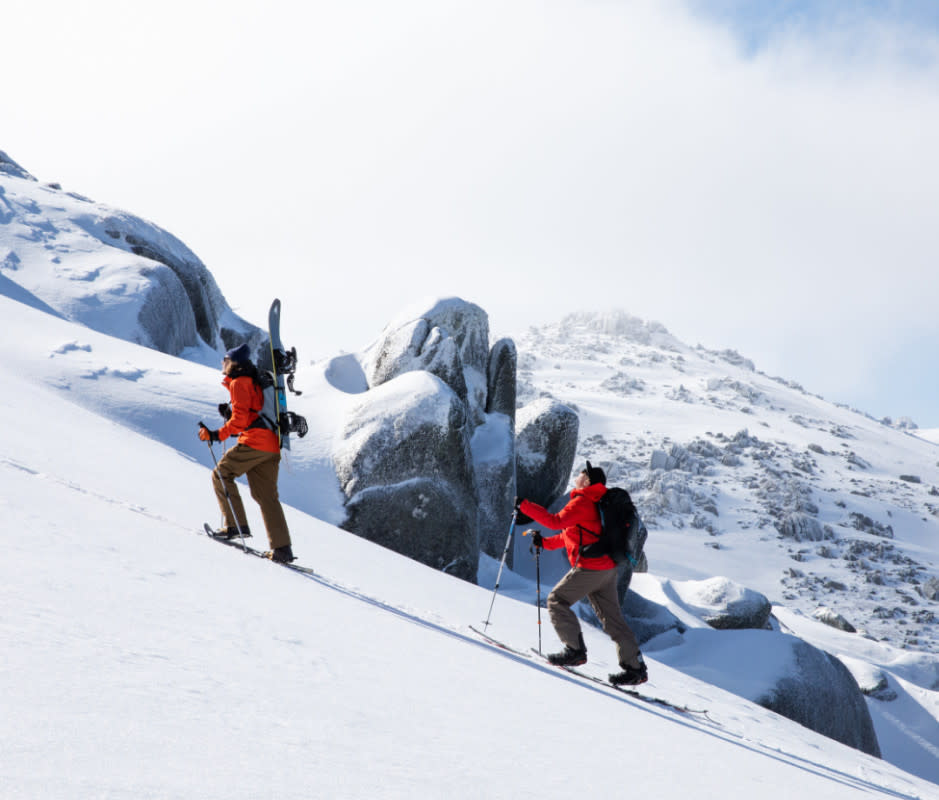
(493, 447)
(406, 468)
(831, 617)
(424, 519)
(113, 271)
(449, 340)
(546, 442)
(648, 619)
(501, 386)
(801, 527)
(725, 605)
(820, 693)
(438, 424)
(417, 345)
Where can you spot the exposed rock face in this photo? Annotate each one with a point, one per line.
(449, 340)
(424, 519)
(802, 527)
(493, 448)
(930, 589)
(406, 468)
(417, 346)
(546, 441)
(648, 619)
(475, 454)
(500, 379)
(831, 617)
(821, 694)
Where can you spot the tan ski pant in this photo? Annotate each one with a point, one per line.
(599, 586)
(261, 469)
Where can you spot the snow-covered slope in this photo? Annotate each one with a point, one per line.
(144, 660)
(110, 270)
(748, 476)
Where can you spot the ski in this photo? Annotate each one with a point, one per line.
(497, 643)
(631, 691)
(251, 551)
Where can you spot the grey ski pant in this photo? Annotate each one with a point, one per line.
(599, 586)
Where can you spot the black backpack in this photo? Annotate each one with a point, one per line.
(622, 534)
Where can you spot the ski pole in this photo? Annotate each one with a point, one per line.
(538, 584)
(231, 506)
(505, 553)
(536, 549)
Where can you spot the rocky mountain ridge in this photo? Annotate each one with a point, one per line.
(720, 455)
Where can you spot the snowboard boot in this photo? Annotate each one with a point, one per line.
(282, 555)
(570, 656)
(232, 532)
(630, 676)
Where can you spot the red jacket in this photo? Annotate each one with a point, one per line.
(247, 400)
(580, 521)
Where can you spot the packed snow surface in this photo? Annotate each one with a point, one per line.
(142, 659)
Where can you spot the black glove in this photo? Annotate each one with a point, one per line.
(518, 503)
(225, 410)
(537, 540)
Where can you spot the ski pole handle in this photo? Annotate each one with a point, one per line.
(536, 538)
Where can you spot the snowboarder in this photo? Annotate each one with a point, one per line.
(257, 455)
(594, 578)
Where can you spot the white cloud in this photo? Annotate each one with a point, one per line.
(536, 158)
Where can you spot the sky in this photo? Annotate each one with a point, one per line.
(761, 180)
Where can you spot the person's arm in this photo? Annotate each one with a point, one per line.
(241, 415)
(574, 513)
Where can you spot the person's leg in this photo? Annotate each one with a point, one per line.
(573, 587)
(605, 602)
(230, 466)
(262, 479)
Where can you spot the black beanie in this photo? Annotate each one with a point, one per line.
(240, 354)
(595, 474)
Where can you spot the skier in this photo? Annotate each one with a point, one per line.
(257, 455)
(594, 578)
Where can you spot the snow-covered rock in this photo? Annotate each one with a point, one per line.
(784, 674)
(112, 271)
(821, 694)
(450, 340)
(649, 619)
(10, 167)
(546, 442)
(724, 604)
(405, 466)
(831, 617)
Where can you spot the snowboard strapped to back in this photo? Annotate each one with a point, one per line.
(274, 383)
(270, 416)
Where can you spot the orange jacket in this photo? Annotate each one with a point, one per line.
(247, 400)
(580, 521)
